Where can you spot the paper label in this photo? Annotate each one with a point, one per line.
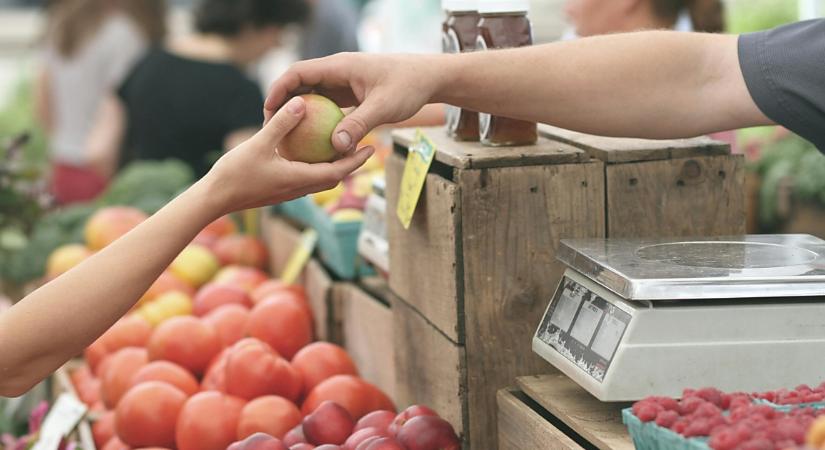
(60, 421)
(419, 159)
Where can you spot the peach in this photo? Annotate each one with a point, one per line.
(63, 258)
(311, 140)
(195, 265)
(376, 419)
(108, 224)
(247, 278)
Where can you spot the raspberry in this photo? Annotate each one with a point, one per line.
(668, 403)
(788, 428)
(803, 388)
(737, 402)
(699, 427)
(707, 410)
(690, 404)
(712, 395)
(762, 410)
(757, 444)
(724, 440)
(648, 412)
(680, 425)
(687, 393)
(666, 418)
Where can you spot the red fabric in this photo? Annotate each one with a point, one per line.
(74, 184)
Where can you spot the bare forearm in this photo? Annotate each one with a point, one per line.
(648, 84)
(73, 310)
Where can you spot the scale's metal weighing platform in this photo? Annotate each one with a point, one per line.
(638, 317)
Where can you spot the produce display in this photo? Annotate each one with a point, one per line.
(217, 354)
(781, 419)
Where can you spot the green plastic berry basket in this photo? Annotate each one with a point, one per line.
(337, 241)
(790, 407)
(649, 436)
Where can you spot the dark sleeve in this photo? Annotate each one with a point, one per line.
(784, 70)
(245, 108)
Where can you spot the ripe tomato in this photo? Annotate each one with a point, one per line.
(253, 369)
(282, 323)
(272, 286)
(185, 340)
(95, 353)
(270, 414)
(103, 429)
(130, 331)
(121, 368)
(168, 372)
(147, 414)
(320, 360)
(166, 282)
(214, 295)
(354, 394)
(208, 421)
(229, 322)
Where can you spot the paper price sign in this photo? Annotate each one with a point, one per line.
(419, 159)
(299, 256)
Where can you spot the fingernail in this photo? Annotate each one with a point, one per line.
(295, 106)
(343, 139)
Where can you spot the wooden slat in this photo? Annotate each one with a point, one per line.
(367, 331)
(619, 150)
(472, 155)
(513, 219)
(423, 257)
(281, 238)
(520, 427)
(679, 197)
(318, 285)
(599, 423)
(428, 366)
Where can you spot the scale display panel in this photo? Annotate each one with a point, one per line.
(583, 327)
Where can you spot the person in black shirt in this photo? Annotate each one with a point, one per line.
(191, 99)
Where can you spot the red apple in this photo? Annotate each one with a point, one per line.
(376, 419)
(407, 414)
(386, 443)
(295, 436)
(362, 435)
(330, 423)
(428, 433)
(302, 446)
(258, 441)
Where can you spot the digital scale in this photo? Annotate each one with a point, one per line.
(372, 242)
(638, 317)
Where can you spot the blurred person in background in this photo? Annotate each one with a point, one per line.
(332, 28)
(90, 46)
(595, 17)
(192, 99)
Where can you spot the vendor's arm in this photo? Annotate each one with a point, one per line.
(655, 84)
(60, 319)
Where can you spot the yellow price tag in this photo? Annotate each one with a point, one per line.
(419, 159)
(299, 257)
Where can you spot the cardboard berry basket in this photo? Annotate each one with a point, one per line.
(337, 241)
(62, 384)
(649, 436)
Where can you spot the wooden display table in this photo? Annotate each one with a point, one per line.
(553, 412)
(473, 274)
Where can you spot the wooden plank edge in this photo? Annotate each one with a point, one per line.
(517, 399)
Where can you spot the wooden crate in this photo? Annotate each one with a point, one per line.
(475, 269)
(282, 238)
(553, 412)
(683, 187)
(363, 325)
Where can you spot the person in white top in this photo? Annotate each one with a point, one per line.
(594, 17)
(90, 47)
